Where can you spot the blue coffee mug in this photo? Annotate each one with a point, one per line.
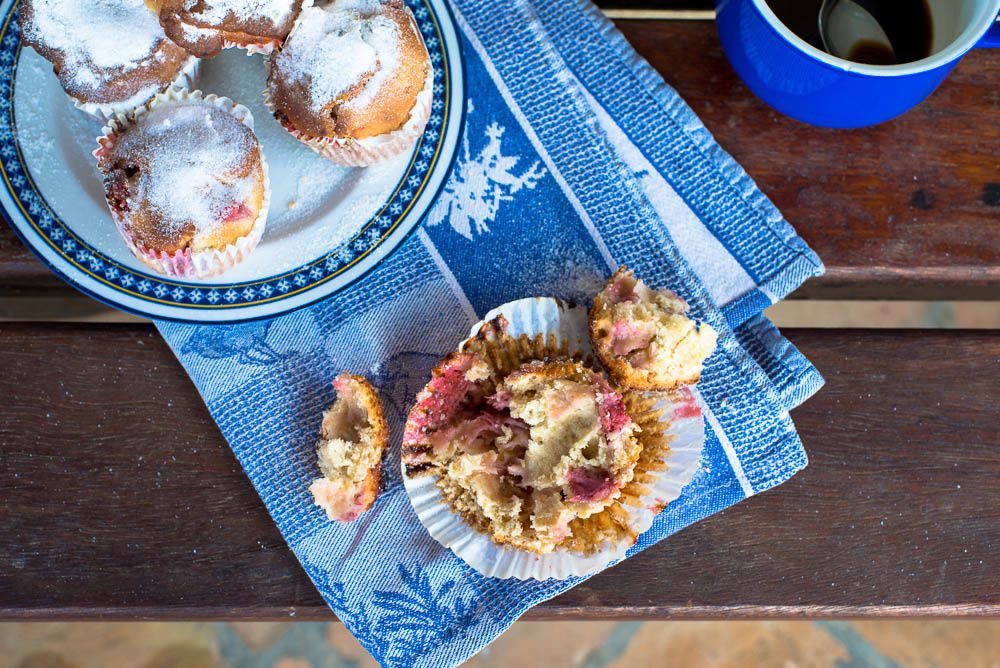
(812, 86)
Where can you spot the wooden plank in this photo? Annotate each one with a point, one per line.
(120, 499)
(908, 209)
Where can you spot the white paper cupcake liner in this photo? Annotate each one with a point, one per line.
(252, 48)
(685, 430)
(371, 150)
(187, 263)
(105, 111)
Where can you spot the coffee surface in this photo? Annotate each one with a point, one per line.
(907, 23)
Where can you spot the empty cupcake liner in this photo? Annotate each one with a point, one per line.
(683, 427)
(371, 150)
(187, 263)
(105, 111)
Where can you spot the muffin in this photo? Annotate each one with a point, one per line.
(186, 181)
(522, 459)
(110, 56)
(353, 436)
(645, 338)
(353, 81)
(206, 27)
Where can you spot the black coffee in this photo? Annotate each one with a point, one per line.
(907, 24)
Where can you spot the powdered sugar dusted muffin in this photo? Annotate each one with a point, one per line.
(205, 27)
(645, 338)
(110, 55)
(523, 458)
(186, 182)
(353, 437)
(353, 81)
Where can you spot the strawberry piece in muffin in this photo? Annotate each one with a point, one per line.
(353, 437)
(645, 338)
(521, 456)
(581, 446)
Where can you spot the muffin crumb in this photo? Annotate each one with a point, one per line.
(353, 436)
(645, 337)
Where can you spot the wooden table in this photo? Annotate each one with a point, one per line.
(110, 511)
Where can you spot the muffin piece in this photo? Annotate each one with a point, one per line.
(206, 27)
(353, 81)
(456, 390)
(522, 458)
(353, 437)
(109, 55)
(645, 338)
(186, 183)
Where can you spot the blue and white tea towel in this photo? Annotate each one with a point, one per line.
(576, 158)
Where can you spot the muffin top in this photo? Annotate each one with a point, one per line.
(103, 51)
(350, 69)
(186, 175)
(203, 26)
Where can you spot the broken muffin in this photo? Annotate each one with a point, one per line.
(645, 338)
(353, 437)
(522, 455)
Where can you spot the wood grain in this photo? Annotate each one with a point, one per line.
(121, 500)
(909, 209)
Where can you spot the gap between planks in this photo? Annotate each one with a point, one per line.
(826, 314)
(547, 611)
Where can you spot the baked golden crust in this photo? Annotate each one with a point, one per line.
(144, 156)
(204, 29)
(644, 338)
(89, 82)
(353, 438)
(382, 95)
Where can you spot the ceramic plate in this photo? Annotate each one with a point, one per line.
(328, 225)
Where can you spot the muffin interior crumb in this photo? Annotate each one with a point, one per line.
(347, 436)
(645, 336)
(525, 455)
(349, 453)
